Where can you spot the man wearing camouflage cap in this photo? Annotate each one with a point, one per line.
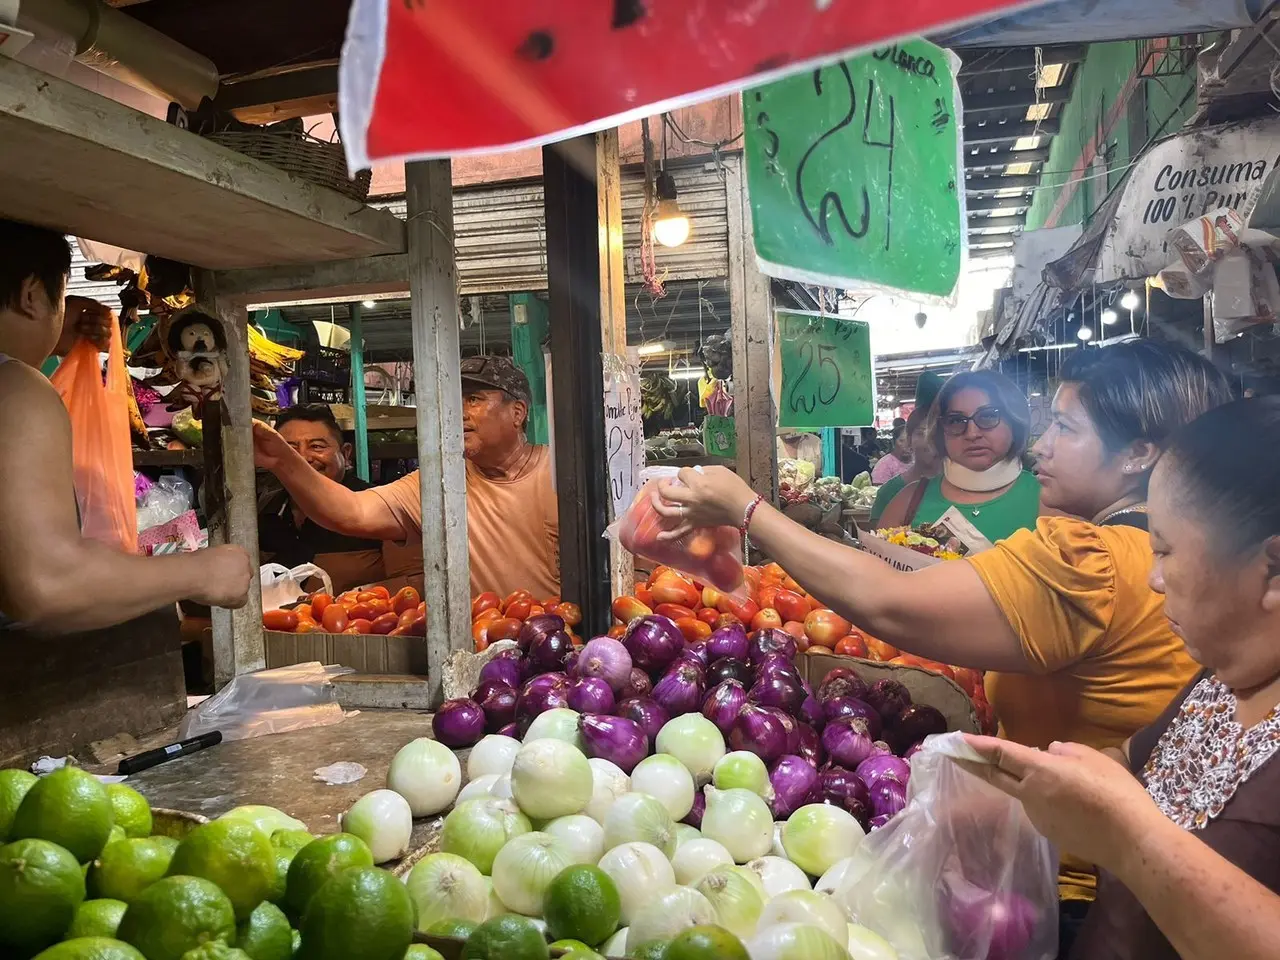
(513, 527)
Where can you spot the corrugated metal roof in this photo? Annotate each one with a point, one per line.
(77, 285)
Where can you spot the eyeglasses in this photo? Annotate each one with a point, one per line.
(984, 418)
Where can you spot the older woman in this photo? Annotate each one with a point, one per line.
(1062, 617)
(1209, 762)
(980, 429)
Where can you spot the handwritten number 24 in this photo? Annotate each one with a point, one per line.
(824, 387)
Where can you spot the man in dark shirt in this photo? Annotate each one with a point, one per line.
(287, 536)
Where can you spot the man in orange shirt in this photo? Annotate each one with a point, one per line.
(513, 526)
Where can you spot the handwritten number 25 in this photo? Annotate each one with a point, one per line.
(825, 387)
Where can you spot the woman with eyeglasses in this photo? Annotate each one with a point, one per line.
(1074, 642)
(980, 429)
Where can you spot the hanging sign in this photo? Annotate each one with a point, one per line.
(822, 371)
(623, 434)
(429, 79)
(853, 173)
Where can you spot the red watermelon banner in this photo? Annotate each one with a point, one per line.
(432, 78)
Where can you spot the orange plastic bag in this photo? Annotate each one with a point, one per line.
(100, 446)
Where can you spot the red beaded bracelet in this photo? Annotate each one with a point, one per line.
(749, 513)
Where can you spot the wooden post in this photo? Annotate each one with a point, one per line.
(361, 427)
(433, 288)
(751, 306)
(238, 646)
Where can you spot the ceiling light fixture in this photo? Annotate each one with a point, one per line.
(670, 223)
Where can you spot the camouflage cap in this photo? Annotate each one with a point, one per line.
(496, 373)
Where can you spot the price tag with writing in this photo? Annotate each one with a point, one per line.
(822, 371)
(623, 435)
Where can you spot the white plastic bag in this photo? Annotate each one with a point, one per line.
(960, 873)
(282, 586)
(269, 701)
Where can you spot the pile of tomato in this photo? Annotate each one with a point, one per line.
(371, 611)
(494, 619)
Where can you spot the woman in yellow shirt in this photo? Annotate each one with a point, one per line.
(1062, 616)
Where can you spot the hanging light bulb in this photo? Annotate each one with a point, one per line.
(1085, 333)
(1109, 316)
(670, 223)
(1131, 300)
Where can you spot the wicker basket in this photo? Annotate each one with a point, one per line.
(300, 154)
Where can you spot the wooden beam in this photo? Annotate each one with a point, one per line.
(321, 282)
(751, 307)
(433, 285)
(238, 645)
(981, 185)
(1013, 99)
(975, 134)
(1019, 58)
(990, 204)
(305, 92)
(985, 159)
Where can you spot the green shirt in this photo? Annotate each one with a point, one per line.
(884, 496)
(1015, 509)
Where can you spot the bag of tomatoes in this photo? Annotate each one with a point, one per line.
(710, 555)
(282, 586)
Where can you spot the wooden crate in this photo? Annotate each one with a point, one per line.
(365, 653)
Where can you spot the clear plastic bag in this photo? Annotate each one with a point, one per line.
(711, 555)
(282, 586)
(960, 873)
(269, 701)
(165, 500)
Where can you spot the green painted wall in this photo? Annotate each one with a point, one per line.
(526, 351)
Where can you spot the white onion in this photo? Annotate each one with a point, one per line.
(383, 820)
(795, 941)
(638, 818)
(695, 859)
(831, 880)
(778, 875)
(616, 945)
(501, 789)
(560, 723)
(753, 878)
(582, 837)
(550, 779)
(778, 850)
(665, 778)
(743, 769)
(444, 887)
(525, 867)
(818, 835)
(493, 754)
(736, 899)
(867, 945)
(641, 872)
(427, 774)
(806, 906)
(608, 783)
(740, 820)
(669, 915)
(693, 740)
(477, 788)
(685, 833)
(494, 907)
(478, 829)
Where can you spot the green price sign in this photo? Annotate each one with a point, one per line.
(853, 171)
(823, 371)
(720, 436)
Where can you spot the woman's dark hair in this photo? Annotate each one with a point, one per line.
(898, 430)
(1004, 393)
(1144, 390)
(27, 251)
(1225, 465)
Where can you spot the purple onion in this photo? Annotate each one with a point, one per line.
(836, 708)
(880, 821)
(812, 714)
(913, 724)
(548, 652)
(772, 663)
(590, 695)
(874, 768)
(880, 749)
(653, 642)
(730, 668)
(487, 687)
(795, 783)
(762, 731)
(844, 789)
(536, 627)
(888, 797)
(458, 723)
(615, 739)
(689, 659)
(645, 711)
(841, 682)
(809, 746)
(698, 650)
(847, 742)
(502, 669)
(638, 685)
(722, 704)
(768, 641)
(606, 659)
(694, 819)
(571, 661)
(888, 698)
(912, 750)
(542, 693)
(680, 689)
(499, 708)
(728, 641)
(511, 730)
(780, 690)
(999, 924)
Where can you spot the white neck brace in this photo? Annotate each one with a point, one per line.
(982, 481)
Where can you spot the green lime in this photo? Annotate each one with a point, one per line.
(508, 937)
(266, 934)
(168, 844)
(40, 887)
(96, 918)
(575, 950)
(117, 833)
(455, 928)
(266, 819)
(235, 855)
(280, 885)
(14, 785)
(293, 840)
(706, 942)
(178, 914)
(420, 951)
(582, 903)
(130, 810)
(90, 948)
(68, 807)
(297, 941)
(653, 950)
(215, 951)
(362, 912)
(124, 869)
(319, 860)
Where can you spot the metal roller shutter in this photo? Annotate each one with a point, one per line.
(106, 293)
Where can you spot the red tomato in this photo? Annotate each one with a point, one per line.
(570, 613)
(381, 592)
(701, 544)
(693, 628)
(408, 617)
(488, 616)
(656, 572)
(347, 598)
(505, 629)
(551, 602)
(826, 627)
(335, 619)
(673, 611)
(379, 607)
(318, 603)
(791, 606)
(644, 595)
(767, 596)
(418, 628)
(520, 609)
(307, 626)
(744, 610)
(795, 628)
(351, 631)
(485, 601)
(480, 634)
(360, 611)
(627, 609)
(406, 599)
(518, 595)
(853, 645)
(725, 620)
(360, 626)
(306, 611)
(536, 610)
(673, 588)
(285, 621)
(399, 632)
(766, 620)
(365, 596)
(617, 630)
(879, 650)
(385, 623)
(970, 680)
(708, 615)
(710, 597)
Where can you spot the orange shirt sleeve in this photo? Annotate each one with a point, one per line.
(404, 498)
(1056, 585)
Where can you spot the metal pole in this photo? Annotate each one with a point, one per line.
(357, 392)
